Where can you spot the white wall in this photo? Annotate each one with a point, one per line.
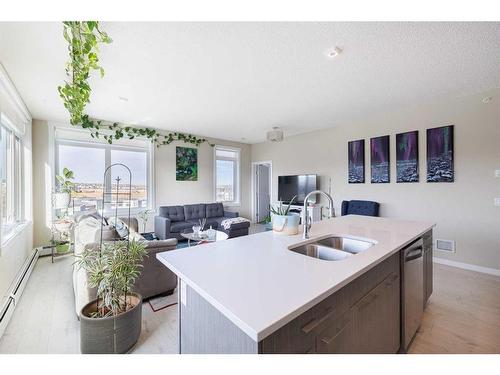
(42, 179)
(172, 192)
(15, 250)
(168, 191)
(463, 210)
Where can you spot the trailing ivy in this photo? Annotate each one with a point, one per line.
(84, 38)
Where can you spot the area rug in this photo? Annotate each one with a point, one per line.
(162, 302)
(183, 244)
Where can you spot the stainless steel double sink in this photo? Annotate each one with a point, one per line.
(333, 248)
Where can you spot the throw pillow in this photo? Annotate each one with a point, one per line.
(119, 225)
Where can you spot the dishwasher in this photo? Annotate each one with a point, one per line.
(412, 291)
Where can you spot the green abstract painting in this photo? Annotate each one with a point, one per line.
(186, 161)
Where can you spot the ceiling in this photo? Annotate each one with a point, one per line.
(236, 81)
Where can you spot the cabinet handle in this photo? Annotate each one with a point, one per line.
(316, 322)
(328, 340)
(391, 280)
(338, 331)
(370, 300)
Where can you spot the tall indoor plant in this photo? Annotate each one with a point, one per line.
(112, 322)
(84, 39)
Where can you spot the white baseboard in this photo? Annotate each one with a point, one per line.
(467, 266)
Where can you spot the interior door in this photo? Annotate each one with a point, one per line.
(262, 191)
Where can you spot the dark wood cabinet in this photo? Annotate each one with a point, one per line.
(337, 337)
(362, 317)
(428, 267)
(376, 319)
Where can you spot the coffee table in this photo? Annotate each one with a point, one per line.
(189, 234)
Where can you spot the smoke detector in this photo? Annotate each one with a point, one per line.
(275, 135)
(333, 52)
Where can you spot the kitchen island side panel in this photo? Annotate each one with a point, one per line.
(205, 330)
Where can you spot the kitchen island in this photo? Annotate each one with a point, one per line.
(262, 294)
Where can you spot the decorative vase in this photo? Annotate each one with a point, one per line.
(286, 224)
(61, 200)
(113, 334)
(211, 233)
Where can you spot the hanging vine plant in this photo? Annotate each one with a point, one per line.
(84, 38)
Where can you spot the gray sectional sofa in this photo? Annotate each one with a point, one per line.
(172, 220)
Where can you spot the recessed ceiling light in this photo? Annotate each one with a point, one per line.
(333, 52)
(123, 99)
(487, 100)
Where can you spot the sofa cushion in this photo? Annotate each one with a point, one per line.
(179, 226)
(235, 225)
(81, 215)
(194, 211)
(174, 213)
(211, 222)
(109, 233)
(120, 226)
(215, 210)
(86, 231)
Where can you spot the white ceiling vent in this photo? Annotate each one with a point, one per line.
(445, 245)
(275, 135)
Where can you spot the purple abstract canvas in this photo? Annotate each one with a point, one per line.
(407, 157)
(356, 161)
(440, 154)
(380, 167)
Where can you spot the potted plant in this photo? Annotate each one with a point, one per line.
(62, 246)
(267, 222)
(65, 185)
(112, 322)
(283, 221)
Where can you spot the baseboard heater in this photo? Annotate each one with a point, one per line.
(14, 294)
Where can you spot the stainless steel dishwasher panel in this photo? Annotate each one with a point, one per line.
(413, 290)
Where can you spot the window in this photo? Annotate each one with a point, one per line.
(88, 161)
(227, 175)
(11, 189)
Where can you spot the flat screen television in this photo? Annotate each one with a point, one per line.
(299, 185)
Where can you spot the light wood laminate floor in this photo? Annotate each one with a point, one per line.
(45, 320)
(463, 316)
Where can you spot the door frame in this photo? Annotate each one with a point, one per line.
(254, 187)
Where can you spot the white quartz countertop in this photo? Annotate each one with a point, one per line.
(260, 285)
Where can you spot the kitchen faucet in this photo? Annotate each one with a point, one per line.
(307, 223)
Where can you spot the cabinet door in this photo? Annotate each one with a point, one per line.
(336, 338)
(376, 319)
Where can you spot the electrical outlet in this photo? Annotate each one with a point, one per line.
(496, 202)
